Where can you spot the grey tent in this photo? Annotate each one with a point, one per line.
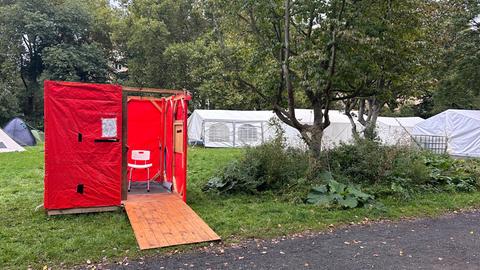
(39, 135)
(18, 130)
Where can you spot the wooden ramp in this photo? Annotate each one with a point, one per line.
(162, 220)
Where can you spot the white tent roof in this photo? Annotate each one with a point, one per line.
(228, 115)
(7, 144)
(460, 127)
(400, 121)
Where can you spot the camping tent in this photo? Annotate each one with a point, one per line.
(225, 128)
(459, 128)
(396, 130)
(7, 144)
(39, 135)
(18, 130)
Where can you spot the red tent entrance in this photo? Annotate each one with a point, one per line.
(90, 132)
(159, 126)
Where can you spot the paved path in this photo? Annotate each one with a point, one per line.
(448, 242)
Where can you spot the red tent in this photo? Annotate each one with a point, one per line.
(90, 130)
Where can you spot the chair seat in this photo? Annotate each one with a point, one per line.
(140, 166)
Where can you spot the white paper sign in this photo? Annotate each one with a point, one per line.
(109, 127)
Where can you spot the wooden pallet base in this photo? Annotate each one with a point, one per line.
(82, 210)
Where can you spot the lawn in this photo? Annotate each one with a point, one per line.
(29, 237)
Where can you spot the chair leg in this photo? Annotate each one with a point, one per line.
(130, 179)
(148, 179)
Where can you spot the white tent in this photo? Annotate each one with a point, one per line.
(396, 130)
(7, 144)
(460, 128)
(225, 128)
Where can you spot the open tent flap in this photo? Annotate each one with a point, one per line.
(7, 144)
(157, 125)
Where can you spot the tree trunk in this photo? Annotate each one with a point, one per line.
(316, 134)
(371, 124)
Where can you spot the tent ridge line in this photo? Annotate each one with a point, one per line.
(154, 90)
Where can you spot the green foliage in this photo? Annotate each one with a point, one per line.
(387, 170)
(452, 69)
(453, 175)
(368, 162)
(269, 167)
(144, 35)
(334, 193)
(86, 63)
(9, 106)
(47, 39)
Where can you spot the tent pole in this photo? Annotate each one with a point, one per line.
(124, 145)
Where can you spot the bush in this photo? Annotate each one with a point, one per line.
(270, 166)
(401, 171)
(366, 167)
(368, 162)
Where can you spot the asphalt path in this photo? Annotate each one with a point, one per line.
(448, 242)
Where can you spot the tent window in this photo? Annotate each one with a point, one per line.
(219, 132)
(2, 145)
(247, 133)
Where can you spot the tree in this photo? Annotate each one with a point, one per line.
(62, 32)
(145, 32)
(457, 71)
(316, 53)
(392, 61)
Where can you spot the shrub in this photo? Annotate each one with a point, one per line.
(368, 162)
(366, 167)
(400, 171)
(270, 166)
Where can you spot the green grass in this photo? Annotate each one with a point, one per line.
(29, 237)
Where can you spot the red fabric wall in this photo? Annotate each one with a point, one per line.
(77, 154)
(145, 132)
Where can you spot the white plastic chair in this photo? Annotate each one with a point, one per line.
(137, 157)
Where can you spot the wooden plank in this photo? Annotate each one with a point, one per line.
(82, 210)
(153, 90)
(161, 220)
(136, 221)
